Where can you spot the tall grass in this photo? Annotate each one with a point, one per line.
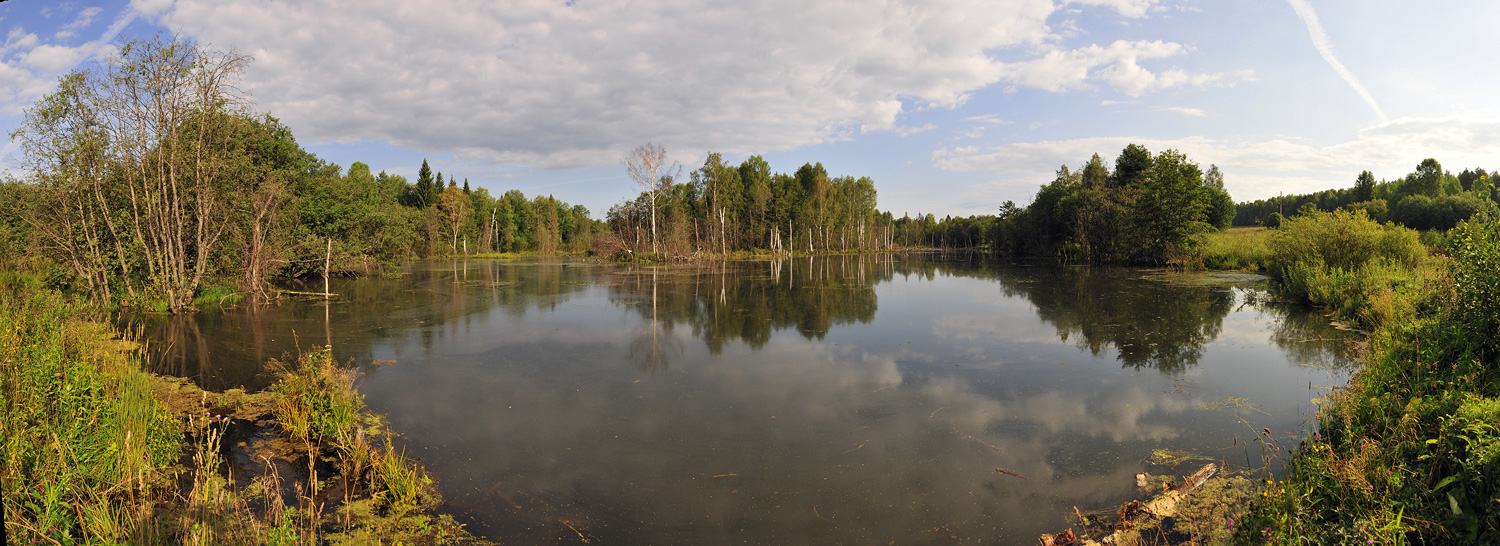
(92, 456)
(86, 448)
(1409, 451)
(316, 400)
(1347, 263)
(1235, 248)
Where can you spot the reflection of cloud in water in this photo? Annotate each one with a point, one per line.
(800, 426)
(1014, 328)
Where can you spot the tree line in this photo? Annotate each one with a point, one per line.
(1428, 198)
(721, 208)
(1146, 210)
(147, 177)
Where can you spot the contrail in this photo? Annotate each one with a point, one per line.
(1325, 48)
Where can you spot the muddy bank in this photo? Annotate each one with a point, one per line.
(239, 462)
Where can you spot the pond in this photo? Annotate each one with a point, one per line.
(909, 399)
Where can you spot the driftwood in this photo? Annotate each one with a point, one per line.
(1136, 512)
(296, 293)
(1165, 504)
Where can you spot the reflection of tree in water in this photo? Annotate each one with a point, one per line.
(1152, 325)
(747, 301)
(649, 349)
(224, 349)
(1306, 336)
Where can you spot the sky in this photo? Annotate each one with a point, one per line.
(951, 106)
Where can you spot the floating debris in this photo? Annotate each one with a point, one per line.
(1227, 402)
(1174, 457)
(1009, 473)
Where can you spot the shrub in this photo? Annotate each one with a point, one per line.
(1475, 247)
(1345, 262)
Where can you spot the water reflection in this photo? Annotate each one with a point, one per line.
(1149, 324)
(855, 399)
(1146, 324)
(433, 302)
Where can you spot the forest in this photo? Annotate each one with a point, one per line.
(148, 181)
(1146, 210)
(722, 208)
(1428, 198)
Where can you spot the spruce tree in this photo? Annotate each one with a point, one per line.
(424, 194)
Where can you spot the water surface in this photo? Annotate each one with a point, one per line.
(854, 400)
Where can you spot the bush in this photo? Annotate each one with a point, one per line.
(1475, 247)
(1345, 262)
(1409, 451)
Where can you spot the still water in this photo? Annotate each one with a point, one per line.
(840, 400)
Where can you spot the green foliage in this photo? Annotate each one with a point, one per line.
(1409, 451)
(1151, 210)
(724, 208)
(1274, 220)
(316, 397)
(1364, 187)
(1428, 198)
(1475, 246)
(80, 430)
(1343, 261)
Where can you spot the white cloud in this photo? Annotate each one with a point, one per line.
(1129, 8)
(908, 131)
(548, 85)
(85, 16)
(1254, 169)
(29, 68)
(1186, 111)
(545, 84)
(1117, 65)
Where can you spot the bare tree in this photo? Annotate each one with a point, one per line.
(647, 166)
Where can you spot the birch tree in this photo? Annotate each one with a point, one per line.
(647, 167)
(140, 148)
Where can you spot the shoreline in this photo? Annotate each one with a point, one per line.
(97, 449)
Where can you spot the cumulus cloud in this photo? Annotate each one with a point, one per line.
(1254, 169)
(29, 67)
(553, 84)
(1117, 65)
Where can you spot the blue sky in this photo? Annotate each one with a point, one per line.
(951, 106)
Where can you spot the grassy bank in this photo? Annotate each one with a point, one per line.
(1241, 248)
(97, 451)
(1409, 451)
(1364, 273)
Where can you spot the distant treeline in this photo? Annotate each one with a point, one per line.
(146, 178)
(1425, 199)
(723, 208)
(1145, 210)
